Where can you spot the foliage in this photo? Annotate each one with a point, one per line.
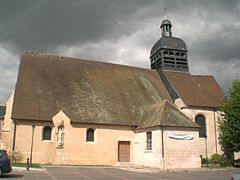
(204, 161)
(217, 160)
(16, 157)
(229, 124)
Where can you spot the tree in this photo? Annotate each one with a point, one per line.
(229, 124)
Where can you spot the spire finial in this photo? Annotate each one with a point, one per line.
(165, 13)
(165, 10)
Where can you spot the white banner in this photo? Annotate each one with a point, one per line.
(181, 136)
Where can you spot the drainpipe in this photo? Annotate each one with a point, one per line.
(31, 150)
(163, 158)
(14, 136)
(215, 129)
(206, 147)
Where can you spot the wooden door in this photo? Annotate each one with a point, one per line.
(124, 151)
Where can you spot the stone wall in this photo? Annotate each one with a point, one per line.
(75, 149)
(209, 145)
(144, 157)
(181, 153)
(7, 126)
(177, 153)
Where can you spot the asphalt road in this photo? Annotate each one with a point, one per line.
(67, 173)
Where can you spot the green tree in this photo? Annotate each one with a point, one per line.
(229, 124)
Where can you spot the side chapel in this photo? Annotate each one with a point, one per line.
(74, 111)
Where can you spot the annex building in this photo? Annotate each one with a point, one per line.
(74, 111)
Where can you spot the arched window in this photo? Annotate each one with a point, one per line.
(201, 121)
(149, 140)
(47, 131)
(90, 135)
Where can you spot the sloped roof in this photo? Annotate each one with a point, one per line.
(87, 91)
(210, 85)
(164, 114)
(199, 91)
(2, 111)
(167, 43)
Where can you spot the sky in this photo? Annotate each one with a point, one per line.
(121, 32)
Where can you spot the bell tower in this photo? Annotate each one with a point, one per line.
(169, 52)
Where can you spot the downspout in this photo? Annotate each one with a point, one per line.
(14, 135)
(163, 160)
(215, 129)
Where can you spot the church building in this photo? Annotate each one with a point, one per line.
(83, 112)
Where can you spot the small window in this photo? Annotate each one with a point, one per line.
(90, 135)
(201, 121)
(149, 140)
(47, 131)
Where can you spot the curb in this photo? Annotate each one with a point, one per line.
(77, 166)
(30, 169)
(203, 169)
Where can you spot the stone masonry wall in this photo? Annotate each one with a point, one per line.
(212, 146)
(75, 150)
(177, 153)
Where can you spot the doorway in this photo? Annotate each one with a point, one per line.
(124, 151)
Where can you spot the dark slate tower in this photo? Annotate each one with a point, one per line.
(169, 52)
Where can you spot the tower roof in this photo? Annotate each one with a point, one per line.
(169, 52)
(168, 43)
(166, 22)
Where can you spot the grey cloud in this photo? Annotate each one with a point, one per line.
(41, 25)
(99, 29)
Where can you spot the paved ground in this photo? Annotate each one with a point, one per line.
(67, 173)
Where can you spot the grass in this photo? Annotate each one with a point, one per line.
(24, 165)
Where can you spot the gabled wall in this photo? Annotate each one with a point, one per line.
(212, 146)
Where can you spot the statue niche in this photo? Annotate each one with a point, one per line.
(60, 134)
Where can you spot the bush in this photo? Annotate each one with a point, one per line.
(217, 160)
(16, 157)
(204, 161)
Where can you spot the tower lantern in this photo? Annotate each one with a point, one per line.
(169, 52)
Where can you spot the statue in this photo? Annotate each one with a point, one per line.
(60, 133)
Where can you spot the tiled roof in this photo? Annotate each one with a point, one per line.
(166, 43)
(87, 91)
(165, 114)
(196, 91)
(210, 85)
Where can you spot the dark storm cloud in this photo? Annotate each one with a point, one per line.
(223, 46)
(44, 24)
(120, 31)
